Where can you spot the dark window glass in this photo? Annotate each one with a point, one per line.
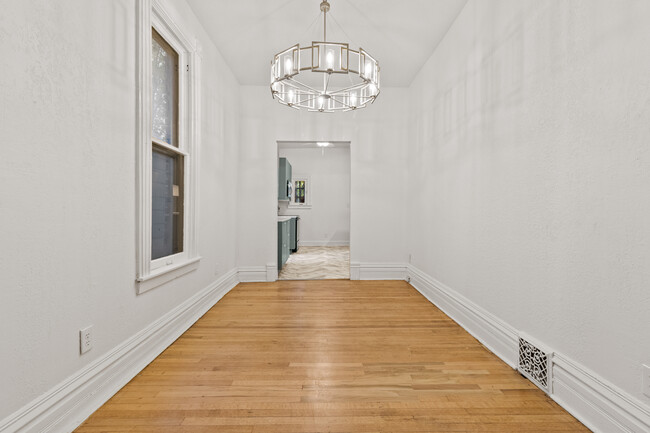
(167, 204)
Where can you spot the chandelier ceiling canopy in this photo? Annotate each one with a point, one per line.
(325, 76)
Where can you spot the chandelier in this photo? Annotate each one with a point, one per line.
(325, 76)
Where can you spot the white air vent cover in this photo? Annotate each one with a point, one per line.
(535, 363)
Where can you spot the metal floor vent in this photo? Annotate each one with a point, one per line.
(535, 363)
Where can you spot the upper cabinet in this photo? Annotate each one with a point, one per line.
(285, 186)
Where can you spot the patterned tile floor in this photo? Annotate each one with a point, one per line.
(317, 263)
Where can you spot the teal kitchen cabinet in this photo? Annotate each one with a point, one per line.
(285, 187)
(283, 242)
(293, 235)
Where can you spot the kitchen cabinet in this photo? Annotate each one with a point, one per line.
(284, 228)
(285, 187)
(293, 234)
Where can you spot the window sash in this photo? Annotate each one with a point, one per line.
(168, 221)
(174, 88)
(167, 213)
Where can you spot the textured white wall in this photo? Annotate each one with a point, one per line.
(529, 165)
(378, 172)
(328, 219)
(67, 195)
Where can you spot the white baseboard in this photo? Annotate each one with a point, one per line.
(271, 272)
(378, 271)
(324, 243)
(252, 274)
(355, 271)
(494, 334)
(600, 406)
(68, 404)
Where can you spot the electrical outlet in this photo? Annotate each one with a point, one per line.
(646, 380)
(86, 339)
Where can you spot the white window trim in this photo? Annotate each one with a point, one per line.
(307, 204)
(153, 273)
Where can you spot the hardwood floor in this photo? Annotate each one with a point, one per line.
(328, 356)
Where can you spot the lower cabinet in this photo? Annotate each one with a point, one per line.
(284, 229)
(293, 235)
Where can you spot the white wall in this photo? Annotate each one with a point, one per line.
(67, 187)
(378, 172)
(529, 161)
(327, 222)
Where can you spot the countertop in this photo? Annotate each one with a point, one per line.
(282, 218)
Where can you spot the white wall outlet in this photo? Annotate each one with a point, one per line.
(646, 380)
(86, 339)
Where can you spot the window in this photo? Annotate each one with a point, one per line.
(302, 193)
(168, 110)
(167, 161)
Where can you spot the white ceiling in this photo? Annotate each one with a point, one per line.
(400, 34)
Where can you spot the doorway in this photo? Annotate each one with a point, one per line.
(313, 210)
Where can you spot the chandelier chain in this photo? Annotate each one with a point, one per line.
(341, 27)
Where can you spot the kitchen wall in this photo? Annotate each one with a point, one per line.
(529, 168)
(327, 221)
(378, 172)
(67, 187)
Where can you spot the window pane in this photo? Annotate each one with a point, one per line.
(300, 191)
(164, 90)
(167, 204)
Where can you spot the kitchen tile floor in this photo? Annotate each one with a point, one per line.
(317, 263)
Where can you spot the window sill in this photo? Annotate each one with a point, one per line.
(166, 274)
(299, 206)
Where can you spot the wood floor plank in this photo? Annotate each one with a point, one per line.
(328, 356)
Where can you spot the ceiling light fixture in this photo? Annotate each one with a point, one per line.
(341, 78)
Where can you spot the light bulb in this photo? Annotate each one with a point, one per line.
(288, 65)
(291, 96)
(320, 101)
(329, 59)
(353, 99)
(368, 69)
(373, 88)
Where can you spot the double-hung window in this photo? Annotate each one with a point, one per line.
(168, 110)
(167, 186)
(302, 193)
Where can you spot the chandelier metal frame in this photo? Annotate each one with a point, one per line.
(328, 59)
